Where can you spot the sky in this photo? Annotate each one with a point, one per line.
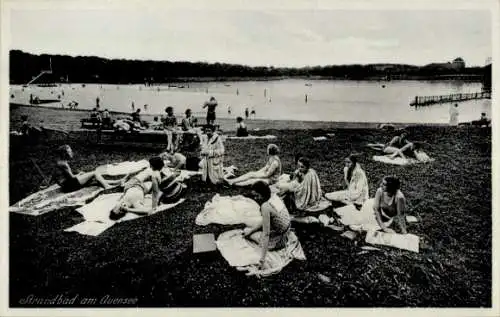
(272, 37)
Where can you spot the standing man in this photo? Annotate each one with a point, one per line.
(211, 105)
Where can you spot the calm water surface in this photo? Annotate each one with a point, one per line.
(327, 100)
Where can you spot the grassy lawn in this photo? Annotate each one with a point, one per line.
(151, 258)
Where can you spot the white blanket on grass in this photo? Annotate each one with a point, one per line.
(52, 198)
(123, 168)
(245, 255)
(399, 160)
(364, 220)
(251, 137)
(228, 210)
(96, 214)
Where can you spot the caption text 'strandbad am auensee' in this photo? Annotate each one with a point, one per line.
(57, 300)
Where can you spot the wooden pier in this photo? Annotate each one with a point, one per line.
(430, 100)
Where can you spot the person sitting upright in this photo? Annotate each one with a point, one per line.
(390, 204)
(241, 128)
(269, 174)
(70, 182)
(189, 122)
(357, 184)
(303, 191)
(270, 231)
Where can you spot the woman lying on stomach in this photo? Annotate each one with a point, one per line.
(390, 204)
(70, 182)
(271, 232)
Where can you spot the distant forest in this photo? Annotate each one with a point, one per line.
(89, 69)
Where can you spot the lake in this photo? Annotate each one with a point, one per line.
(327, 100)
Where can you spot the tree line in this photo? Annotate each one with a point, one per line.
(90, 69)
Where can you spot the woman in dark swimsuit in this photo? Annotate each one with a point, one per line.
(70, 182)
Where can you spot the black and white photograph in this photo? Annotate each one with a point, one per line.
(169, 154)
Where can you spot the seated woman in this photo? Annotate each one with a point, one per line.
(189, 122)
(304, 189)
(70, 182)
(269, 174)
(271, 231)
(390, 203)
(357, 184)
(163, 187)
(241, 128)
(174, 160)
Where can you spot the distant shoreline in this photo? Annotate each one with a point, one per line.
(175, 80)
(259, 123)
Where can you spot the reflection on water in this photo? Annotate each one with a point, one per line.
(321, 100)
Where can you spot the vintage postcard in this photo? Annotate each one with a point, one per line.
(335, 156)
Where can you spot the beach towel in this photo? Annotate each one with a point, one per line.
(423, 158)
(245, 255)
(123, 168)
(360, 220)
(96, 214)
(52, 198)
(251, 137)
(408, 241)
(229, 210)
(320, 138)
(308, 194)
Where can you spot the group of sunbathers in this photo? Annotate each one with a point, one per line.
(159, 179)
(276, 194)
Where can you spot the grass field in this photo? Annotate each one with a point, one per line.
(151, 258)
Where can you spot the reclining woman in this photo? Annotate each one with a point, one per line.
(70, 182)
(357, 184)
(269, 174)
(164, 189)
(303, 191)
(390, 204)
(399, 145)
(270, 231)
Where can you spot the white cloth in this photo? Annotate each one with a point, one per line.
(251, 137)
(243, 254)
(408, 241)
(423, 158)
(360, 220)
(229, 210)
(52, 198)
(123, 168)
(96, 214)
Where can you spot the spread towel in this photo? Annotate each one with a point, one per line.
(408, 241)
(251, 137)
(52, 198)
(123, 168)
(360, 220)
(96, 214)
(229, 210)
(320, 138)
(245, 255)
(422, 157)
